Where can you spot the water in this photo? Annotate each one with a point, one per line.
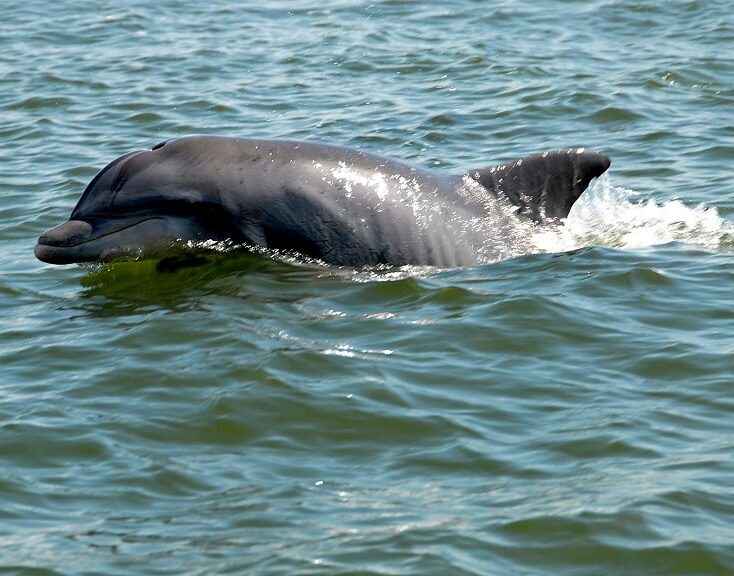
(566, 411)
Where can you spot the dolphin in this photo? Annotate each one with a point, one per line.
(336, 204)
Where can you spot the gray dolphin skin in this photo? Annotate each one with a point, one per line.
(339, 205)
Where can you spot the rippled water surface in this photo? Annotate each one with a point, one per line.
(566, 411)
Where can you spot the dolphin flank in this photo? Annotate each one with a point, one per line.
(340, 205)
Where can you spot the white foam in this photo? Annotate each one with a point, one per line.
(607, 215)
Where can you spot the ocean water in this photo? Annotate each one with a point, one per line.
(568, 410)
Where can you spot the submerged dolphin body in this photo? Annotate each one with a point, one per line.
(340, 205)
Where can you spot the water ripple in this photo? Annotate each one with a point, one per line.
(220, 411)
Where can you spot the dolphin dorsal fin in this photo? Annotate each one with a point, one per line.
(544, 186)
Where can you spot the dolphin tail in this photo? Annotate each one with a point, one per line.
(544, 186)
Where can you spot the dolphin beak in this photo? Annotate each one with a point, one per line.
(55, 245)
(67, 234)
(101, 240)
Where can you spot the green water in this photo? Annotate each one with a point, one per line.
(567, 411)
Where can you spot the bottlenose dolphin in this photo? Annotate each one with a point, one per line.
(339, 205)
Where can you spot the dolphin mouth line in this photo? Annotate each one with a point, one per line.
(71, 243)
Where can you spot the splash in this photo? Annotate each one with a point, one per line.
(610, 216)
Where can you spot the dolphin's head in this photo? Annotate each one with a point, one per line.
(138, 205)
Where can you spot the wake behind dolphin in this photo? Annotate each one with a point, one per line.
(338, 205)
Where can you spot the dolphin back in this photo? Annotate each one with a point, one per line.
(544, 186)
